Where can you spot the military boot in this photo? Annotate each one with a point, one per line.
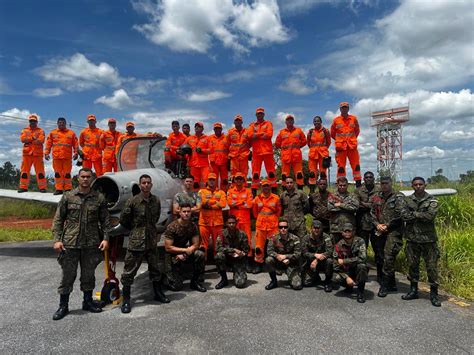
(434, 296)
(392, 284)
(63, 309)
(273, 283)
(159, 295)
(383, 287)
(195, 285)
(258, 269)
(358, 184)
(413, 293)
(360, 292)
(126, 304)
(223, 282)
(89, 305)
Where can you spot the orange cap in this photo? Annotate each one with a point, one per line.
(344, 104)
(130, 124)
(211, 176)
(260, 110)
(239, 175)
(199, 123)
(217, 125)
(238, 118)
(265, 182)
(91, 118)
(33, 117)
(289, 117)
(112, 120)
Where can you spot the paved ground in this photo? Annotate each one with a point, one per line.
(251, 320)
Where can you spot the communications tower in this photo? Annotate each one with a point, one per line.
(389, 140)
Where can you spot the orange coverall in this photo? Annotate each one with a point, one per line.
(345, 132)
(129, 160)
(267, 210)
(108, 145)
(219, 156)
(318, 143)
(173, 142)
(199, 162)
(92, 155)
(290, 143)
(211, 220)
(32, 139)
(259, 136)
(240, 203)
(64, 144)
(238, 151)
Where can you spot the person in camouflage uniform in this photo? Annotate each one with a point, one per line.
(317, 252)
(294, 204)
(182, 246)
(342, 205)
(318, 204)
(232, 249)
(140, 215)
(284, 254)
(365, 228)
(188, 195)
(80, 229)
(387, 240)
(350, 261)
(422, 241)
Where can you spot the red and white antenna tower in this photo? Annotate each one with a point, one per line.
(389, 140)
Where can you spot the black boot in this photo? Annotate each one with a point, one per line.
(358, 184)
(434, 296)
(89, 305)
(392, 284)
(273, 283)
(126, 304)
(223, 282)
(383, 287)
(195, 285)
(360, 293)
(258, 268)
(328, 284)
(254, 193)
(159, 295)
(413, 293)
(63, 309)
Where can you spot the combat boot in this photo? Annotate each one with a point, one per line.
(63, 309)
(159, 295)
(273, 283)
(434, 296)
(413, 293)
(195, 285)
(89, 305)
(383, 287)
(258, 269)
(392, 284)
(126, 304)
(358, 184)
(223, 282)
(360, 293)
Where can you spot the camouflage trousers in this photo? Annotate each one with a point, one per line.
(293, 270)
(299, 230)
(378, 245)
(132, 262)
(174, 269)
(366, 235)
(358, 273)
(430, 254)
(69, 259)
(236, 265)
(310, 276)
(393, 245)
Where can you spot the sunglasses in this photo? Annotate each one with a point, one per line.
(282, 227)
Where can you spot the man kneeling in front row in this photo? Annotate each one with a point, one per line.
(232, 249)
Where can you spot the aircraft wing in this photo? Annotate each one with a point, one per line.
(31, 196)
(434, 192)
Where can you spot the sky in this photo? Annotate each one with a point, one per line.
(154, 61)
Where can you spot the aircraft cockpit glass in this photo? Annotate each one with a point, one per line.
(142, 153)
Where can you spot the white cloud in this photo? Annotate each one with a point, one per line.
(297, 84)
(448, 136)
(207, 96)
(15, 116)
(47, 92)
(118, 100)
(78, 73)
(193, 25)
(160, 121)
(143, 87)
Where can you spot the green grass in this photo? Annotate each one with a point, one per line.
(25, 209)
(24, 235)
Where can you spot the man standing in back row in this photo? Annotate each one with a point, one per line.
(89, 140)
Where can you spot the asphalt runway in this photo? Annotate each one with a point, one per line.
(251, 320)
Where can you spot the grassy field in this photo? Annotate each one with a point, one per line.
(24, 235)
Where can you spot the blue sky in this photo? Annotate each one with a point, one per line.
(156, 61)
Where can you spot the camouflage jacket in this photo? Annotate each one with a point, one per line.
(312, 244)
(318, 204)
(140, 217)
(419, 215)
(388, 210)
(294, 207)
(352, 253)
(181, 233)
(81, 220)
(364, 221)
(228, 242)
(290, 246)
(187, 197)
(344, 213)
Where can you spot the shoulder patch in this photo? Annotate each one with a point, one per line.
(433, 203)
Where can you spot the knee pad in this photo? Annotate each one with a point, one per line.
(271, 175)
(24, 176)
(57, 175)
(256, 176)
(299, 175)
(41, 175)
(312, 174)
(67, 176)
(357, 168)
(341, 170)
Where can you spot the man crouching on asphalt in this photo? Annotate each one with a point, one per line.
(80, 230)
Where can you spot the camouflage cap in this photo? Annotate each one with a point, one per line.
(347, 226)
(317, 224)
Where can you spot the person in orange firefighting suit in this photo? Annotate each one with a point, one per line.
(173, 142)
(238, 149)
(89, 141)
(219, 155)
(63, 142)
(240, 201)
(129, 159)
(344, 131)
(290, 140)
(199, 159)
(259, 135)
(267, 211)
(319, 140)
(210, 202)
(108, 145)
(32, 138)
